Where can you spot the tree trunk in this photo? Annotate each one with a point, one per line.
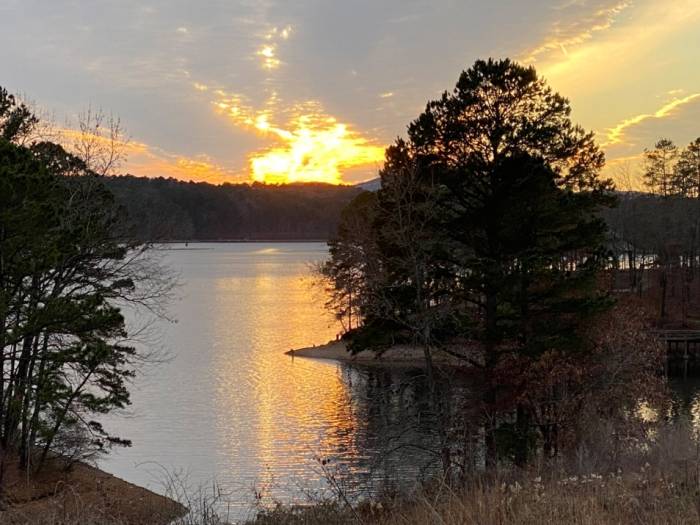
(522, 431)
(489, 395)
(664, 286)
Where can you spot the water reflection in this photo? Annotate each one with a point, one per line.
(685, 400)
(231, 406)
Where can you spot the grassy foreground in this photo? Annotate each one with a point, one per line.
(651, 482)
(648, 481)
(625, 498)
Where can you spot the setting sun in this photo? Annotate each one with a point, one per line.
(311, 147)
(313, 152)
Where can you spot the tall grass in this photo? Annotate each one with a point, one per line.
(653, 481)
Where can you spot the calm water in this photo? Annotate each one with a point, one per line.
(230, 406)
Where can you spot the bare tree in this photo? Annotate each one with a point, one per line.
(100, 141)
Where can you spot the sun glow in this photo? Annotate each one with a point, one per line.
(310, 147)
(315, 150)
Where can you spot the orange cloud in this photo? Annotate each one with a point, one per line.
(153, 163)
(147, 161)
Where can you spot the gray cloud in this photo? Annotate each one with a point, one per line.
(142, 59)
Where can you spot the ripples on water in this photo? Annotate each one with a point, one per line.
(230, 406)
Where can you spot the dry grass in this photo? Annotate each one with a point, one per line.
(640, 498)
(650, 481)
(657, 484)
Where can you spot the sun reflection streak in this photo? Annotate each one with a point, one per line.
(302, 395)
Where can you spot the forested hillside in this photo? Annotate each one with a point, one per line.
(167, 209)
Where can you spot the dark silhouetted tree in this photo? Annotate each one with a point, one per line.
(504, 243)
(66, 269)
(659, 166)
(687, 170)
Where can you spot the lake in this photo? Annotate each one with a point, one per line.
(229, 406)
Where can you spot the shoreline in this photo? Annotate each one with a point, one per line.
(399, 355)
(242, 241)
(82, 494)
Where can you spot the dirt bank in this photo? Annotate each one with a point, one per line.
(84, 495)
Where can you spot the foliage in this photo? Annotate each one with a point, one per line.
(351, 264)
(486, 233)
(168, 209)
(650, 479)
(658, 173)
(669, 172)
(65, 267)
(687, 170)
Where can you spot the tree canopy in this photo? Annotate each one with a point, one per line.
(486, 237)
(66, 266)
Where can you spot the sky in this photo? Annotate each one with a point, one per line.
(279, 91)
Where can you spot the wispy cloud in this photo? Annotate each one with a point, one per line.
(601, 53)
(306, 76)
(616, 134)
(625, 142)
(570, 31)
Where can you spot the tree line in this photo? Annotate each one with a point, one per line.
(487, 242)
(167, 209)
(655, 235)
(670, 171)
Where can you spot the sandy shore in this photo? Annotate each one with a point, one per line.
(396, 355)
(84, 495)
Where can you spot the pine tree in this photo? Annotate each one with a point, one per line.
(659, 165)
(504, 242)
(687, 170)
(66, 264)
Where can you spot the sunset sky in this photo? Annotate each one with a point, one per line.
(234, 90)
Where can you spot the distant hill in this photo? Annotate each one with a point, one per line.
(169, 209)
(370, 185)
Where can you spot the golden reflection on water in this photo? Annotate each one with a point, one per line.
(286, 412)
(685, 404)
(231, 407)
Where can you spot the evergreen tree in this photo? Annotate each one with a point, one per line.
(659, 166)
(65, 265)
(351, 269)
(502, 242)
(687, 170)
